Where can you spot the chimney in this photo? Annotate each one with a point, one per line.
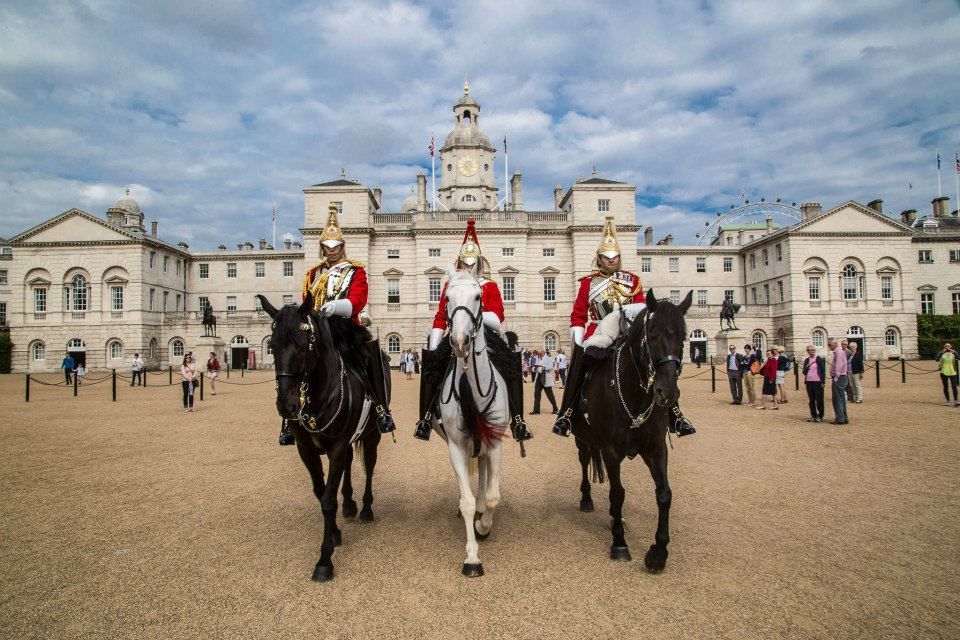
(222, 247)
(648, 236)
(153, 228)
(557, 197)
(421, 191)
(876, 205)
(263, 244)
(239, 246)
(378, 196)
(516, 191)
(941, 206)
(666, 240)
(286, 245)
(297, 245)
(769, 224)
(908, 217)
(810, 210)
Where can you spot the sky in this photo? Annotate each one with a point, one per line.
(214, 112)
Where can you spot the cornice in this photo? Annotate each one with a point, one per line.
(215, 257)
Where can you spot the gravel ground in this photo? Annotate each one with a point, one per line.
(135, 520)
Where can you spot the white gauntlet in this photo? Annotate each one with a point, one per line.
(436, 335)
(576, 335)
(491, 320)
(633, 310)
(337, 308)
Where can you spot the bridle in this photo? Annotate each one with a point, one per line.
(476, 321)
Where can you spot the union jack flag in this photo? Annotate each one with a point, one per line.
(432, 146)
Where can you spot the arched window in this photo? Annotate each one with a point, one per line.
(393, 343)
(176, 348)
(468, 198)
(116, 350)
(855, 332)
(76, 344)
(239, 341)
(39, 351)
(268, 347)
(698, 334)
(78, 290)
(818, 338)
(153, 348)
(759, 341)
(851, 282)
(550, 341)
(891, 337)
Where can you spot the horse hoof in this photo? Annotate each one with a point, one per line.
(620, 553)
(472, 570)
(349, 509)
(366, 515)
(322, 573)
(586, 505)
(655, 559)
(337, 538)
(480, 536)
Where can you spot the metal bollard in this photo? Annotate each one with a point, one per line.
(713, 378)
(28, 388)
(877, 363)
(201, 385)
(796, 376)
(169, 375)
(114, 385)
(903, 371)
(144, 376)
(75, 382)
(241, 371)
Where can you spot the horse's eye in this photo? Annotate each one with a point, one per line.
(477, 297)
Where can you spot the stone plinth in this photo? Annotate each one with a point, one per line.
(725, 339)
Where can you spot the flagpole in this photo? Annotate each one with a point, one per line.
(909, 195)
(433, 175)
(506, 175)
(956, 178)
(274, 226)
(939, 189)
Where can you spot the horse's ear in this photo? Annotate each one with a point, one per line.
(307, 305)
(685, 305)
(651, 300)
(451, 269)
(269, 308)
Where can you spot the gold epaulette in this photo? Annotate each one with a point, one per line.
(357, 263)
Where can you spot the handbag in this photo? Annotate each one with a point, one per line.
(196, 383)
(755, 366)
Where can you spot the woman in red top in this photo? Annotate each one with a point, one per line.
(769, 371)
(213, 370)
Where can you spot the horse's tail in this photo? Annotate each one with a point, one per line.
(473, 423)
(597, 470)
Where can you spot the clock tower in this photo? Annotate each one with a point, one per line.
(466, 161)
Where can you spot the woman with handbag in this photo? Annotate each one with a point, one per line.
(213, 370)
(188, 374)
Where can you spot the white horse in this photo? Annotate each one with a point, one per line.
(473, 392)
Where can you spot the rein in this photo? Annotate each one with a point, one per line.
(646, 381)
(476, 321)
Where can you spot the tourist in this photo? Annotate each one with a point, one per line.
(735, 374)
(750, 364)
(213, 370)
(526, 364)
(68, 365)
(838, 374)
(783, 366)
(769, 372)
(845, 345)
(188, 373)
(948, 373)
(855, 373)
(543, 381)
(407, 361)
(561, 362)
(80, 372)
(136, 370)
(814, 376)
(697, 356)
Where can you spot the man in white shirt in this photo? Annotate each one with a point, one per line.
(136, 369)
(735, 374)
(544, 382)
(562, 367)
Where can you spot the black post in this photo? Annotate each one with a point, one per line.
(241, 371)
(169, 375)
(114, 385)
(75, 382)
(903, 371)
(201, 386)
(877, 363)
(143, 376)
(28, 387)
(228, 369)
(713, 377)
(796, 376)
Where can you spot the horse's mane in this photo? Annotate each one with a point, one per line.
(345, 335)
(666, 313)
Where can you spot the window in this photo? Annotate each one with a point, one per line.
(675, 296)
(433, 289)
(75, 343)
(3, 313)
(925, 255)
(758, 340)
(646, 265)
(231, 269)
(549, 252)
(116, 298)
(393, 253)
(3, 276)
(39, 300)
(926, 304)
(753, 261)
(766, 257)
(728, 264)
(259, 269)
(813, 285)
(257, 305)
(728, 295)
(116, 350)
(166, 296)
(393, 343)
(955, 303)
(434, 252)
(202, 303)
(39, 351)
(780, 290)
(850, 283)
(79, 288)
(817, 339)
(339, 207)
(509, 289)
(179, 300)
(550, 341)
(886, 287)
(674, 265)
(766, 293)
(176, 348)
(701, 297)
(204, 270)
(288, 269)
(549, 289)
(890, 337)
(166, 263)
(153, 258)
(288, 299)
(753, 294)
(603, 205)
(779, 251)
(954, 255)
(701, 265)
(178, 266)
(468, 198)
(393, 290)
(231, 303)
(507, 252)
(268, 347)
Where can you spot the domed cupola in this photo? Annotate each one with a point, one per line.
(126, 213)
(466, 160)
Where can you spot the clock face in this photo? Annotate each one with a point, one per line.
(467, 166)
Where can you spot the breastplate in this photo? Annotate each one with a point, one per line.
(610, 292)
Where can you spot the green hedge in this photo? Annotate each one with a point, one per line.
(6, 348)
(933, 331)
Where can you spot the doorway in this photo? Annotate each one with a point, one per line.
(239, 357)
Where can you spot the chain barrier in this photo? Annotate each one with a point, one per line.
(922, 370)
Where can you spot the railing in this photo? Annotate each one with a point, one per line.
(40, 316)
(116, 315)
(427, 217)
(814, 304)
(393, 306)
(547, 216)
(392, 218)
(78, 315)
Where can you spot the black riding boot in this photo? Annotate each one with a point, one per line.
(679, 424)
(375, 367)
(427, 395)
(576, 375)
(286, 435)
(515, 400)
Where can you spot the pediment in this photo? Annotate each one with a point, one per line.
(393, 272)
(954, 287)
(887, 270)
(435, 271)
(73, 225)
(116, 280)
(926, 287)
(814, 271)
(851, 217)
(549, 271)
(38, 282)
(508, 270)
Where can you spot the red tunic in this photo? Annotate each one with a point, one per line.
(489, 296)
(357, 290)
(582, 313)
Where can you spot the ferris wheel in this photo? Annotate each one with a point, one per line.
(781, 213)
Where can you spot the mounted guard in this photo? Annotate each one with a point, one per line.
(594, 326)
(470, 260)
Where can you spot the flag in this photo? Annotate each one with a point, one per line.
(432, 146)
(957, 159)
(504, 143)
(910, 186)
(938, 161)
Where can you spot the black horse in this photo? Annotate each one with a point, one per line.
(628, 398)
(728, 312)
(209, 321)
(321, 390)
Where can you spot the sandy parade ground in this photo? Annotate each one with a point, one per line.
(132, 519)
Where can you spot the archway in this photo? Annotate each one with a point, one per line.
(239, 352)
(698, 346)
(78, 351)
(856, 334)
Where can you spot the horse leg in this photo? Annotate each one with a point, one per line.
(618, 550)
(483, 465)
(583, 452)
(491, 498)
(656, 557)
(314, 464)
(349, 508)
(460, 460)
(369, 463)
(328, 506)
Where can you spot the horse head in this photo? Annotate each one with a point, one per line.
(464, 310)
(665, 333)
(293, 340)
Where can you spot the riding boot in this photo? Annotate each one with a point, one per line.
(427, 394)
(576, 374)
(375, 367)
(515, 401)
(679, 423)
(286, 434)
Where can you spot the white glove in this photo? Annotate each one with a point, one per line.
(436, 335)
(491, 320)
(337, 308)
(633, 310)
(576, 335)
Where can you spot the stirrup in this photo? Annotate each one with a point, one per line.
(385, 422)
(423, 428)
(286, 435)
(562, 425)
(519, 429)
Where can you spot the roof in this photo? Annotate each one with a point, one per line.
(338, 183)
(599, 181)
(746, 226)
